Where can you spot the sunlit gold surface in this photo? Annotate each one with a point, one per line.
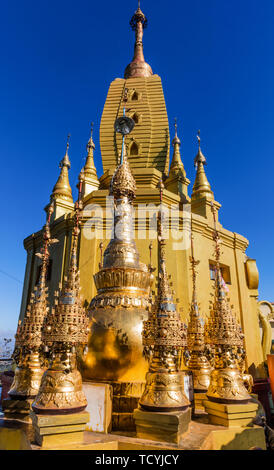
(197, 362)
(64, 329)
(227, 386)
(62, 187)
(61, 387)
(28, 352)
(227, 339)
(164, 337)
(27, 378)
(138, 67)
(115, 351)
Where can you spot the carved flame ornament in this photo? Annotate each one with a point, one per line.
(28, 352)
(197, 361)
(65, 328)
(226, 336)
(164, 335)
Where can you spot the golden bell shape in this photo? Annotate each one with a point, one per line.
(27, 378)
(61, 387)
(227, 386)
(164, 389)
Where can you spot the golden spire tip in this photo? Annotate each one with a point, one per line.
(199, 138)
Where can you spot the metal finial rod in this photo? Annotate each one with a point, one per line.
(68, 142)
(139, 2)
(175, 125)
(199, 138)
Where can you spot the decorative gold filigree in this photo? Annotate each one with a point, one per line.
(123, 283)
(226, 336)
(28, 353)
(164, 337)
(196, 359)
(65, 328)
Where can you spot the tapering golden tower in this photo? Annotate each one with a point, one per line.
(141, 90)
(29, 354)
(90, 179)
(201, 187)
(177, 182)
(65, 328)
(61, 194)
(197, 362)
(165, 335)
(227, 338)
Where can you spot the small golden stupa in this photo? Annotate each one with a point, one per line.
(166, 336)
(28, 353)
(226, 337)
(65, 328)
(197, 361)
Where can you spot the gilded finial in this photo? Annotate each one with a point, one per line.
(176, 139)
(200, 158)
(199, 138)
(138, 67)
(90, 144)
(201, 186)
(62, 187)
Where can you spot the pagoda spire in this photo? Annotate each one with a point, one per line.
(197, 361)
(227, 340)
(201, 186)
(177, 181)
(164, 297)
(138, 67)
(62, 187)
(165, 336)
(176, 163)
(90, 179)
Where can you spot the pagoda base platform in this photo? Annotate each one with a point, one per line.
(52, 430)
(201, 435)
(199, 399)
(231, 415)
(17, 409)
(162, 426)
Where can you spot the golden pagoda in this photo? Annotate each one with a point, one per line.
(197, 360)
(115, 352)
(29, 354)
(118, 295)
(64, 328)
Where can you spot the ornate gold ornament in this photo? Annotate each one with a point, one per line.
(138, 67)
(164, 337)
(65, 328)
(227, 338)
(123, 284)
(196, 359)
(28, 352)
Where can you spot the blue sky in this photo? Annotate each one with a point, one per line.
(58, 58)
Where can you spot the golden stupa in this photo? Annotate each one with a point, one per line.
(118, 295)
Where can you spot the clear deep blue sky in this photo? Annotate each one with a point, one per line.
(58, 58)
